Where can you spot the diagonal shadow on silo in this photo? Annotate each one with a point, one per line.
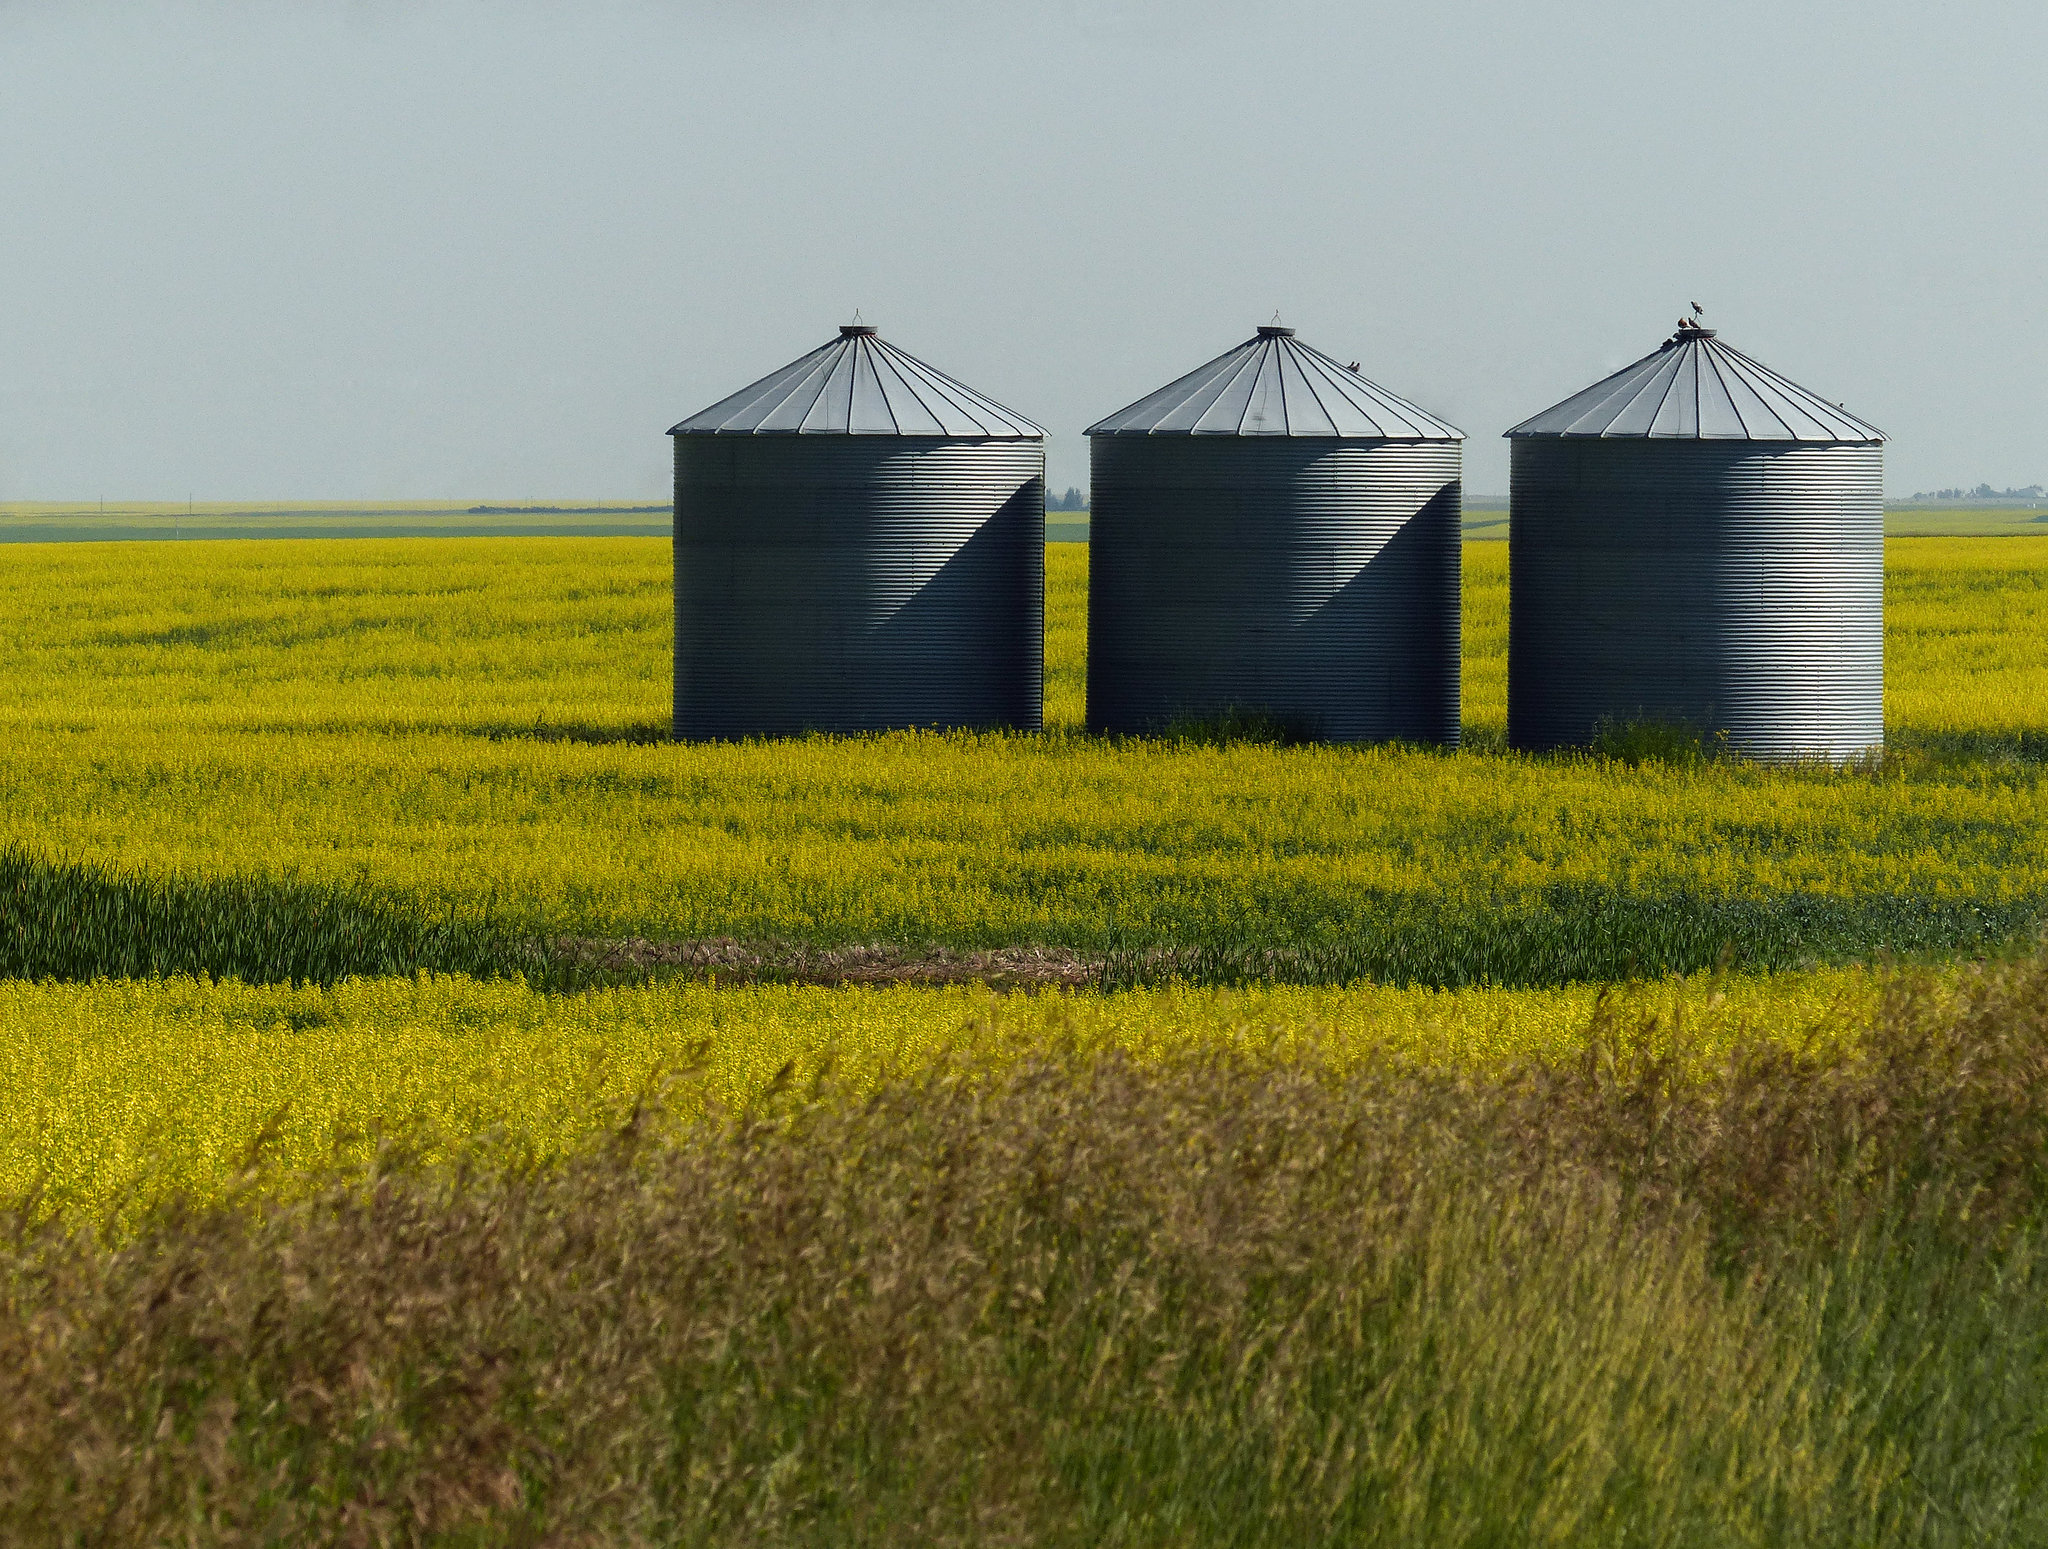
(1388, 637)
(967, 648)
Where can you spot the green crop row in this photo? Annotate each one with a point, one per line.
(68, 920)
(78, 921)
(1575, 933)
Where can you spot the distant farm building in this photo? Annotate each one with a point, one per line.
(1696, 540)
(1274, 535)
(859, 546)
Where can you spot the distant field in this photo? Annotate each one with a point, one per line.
(77, 522)
(128, 521)
(1490, 520)
(1943, 521)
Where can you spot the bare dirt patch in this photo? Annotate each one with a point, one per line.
(742, 962)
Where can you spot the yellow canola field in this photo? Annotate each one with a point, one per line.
(1966, 620)
(119, 1094)
(572, 635)
(476, 722)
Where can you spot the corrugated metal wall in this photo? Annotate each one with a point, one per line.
(1737, 586)
(857, 583)
(1312, 580)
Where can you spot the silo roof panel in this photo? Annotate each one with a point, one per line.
(859, 385)
(1719, 420)
(1305, 412)
(1695, 388)
(909, 415)
(834, 402)
(1641, 399)
(869, 413)
(786, 395)
(1186, 416)
(1225, 417)
(1266, 412)
(1275, 385)
(1678, 416)
(1758, 421)
(933, 391)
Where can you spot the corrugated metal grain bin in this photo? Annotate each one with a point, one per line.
(859, 546)
(1697, 540)
(1275, 534)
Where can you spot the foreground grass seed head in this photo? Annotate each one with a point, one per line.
(124, 1094)
(1780, 1295)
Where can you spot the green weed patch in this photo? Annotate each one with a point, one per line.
(69, 920)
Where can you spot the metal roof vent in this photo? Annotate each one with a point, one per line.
(1697, 540)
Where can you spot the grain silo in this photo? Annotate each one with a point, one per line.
(1274, 534)
(1698, 541)
(859, 545)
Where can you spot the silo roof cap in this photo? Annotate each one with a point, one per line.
(859, 385)
(1275, 385)
(1695, 388)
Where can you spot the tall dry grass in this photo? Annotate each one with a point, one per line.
(1792, 1297)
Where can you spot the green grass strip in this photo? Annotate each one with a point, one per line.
(1579, 933)
(74, 920)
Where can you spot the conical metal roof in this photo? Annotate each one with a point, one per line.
(858, 385)
(1274, 385)
(1696, 388)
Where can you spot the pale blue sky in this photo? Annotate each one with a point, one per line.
(383, 250)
